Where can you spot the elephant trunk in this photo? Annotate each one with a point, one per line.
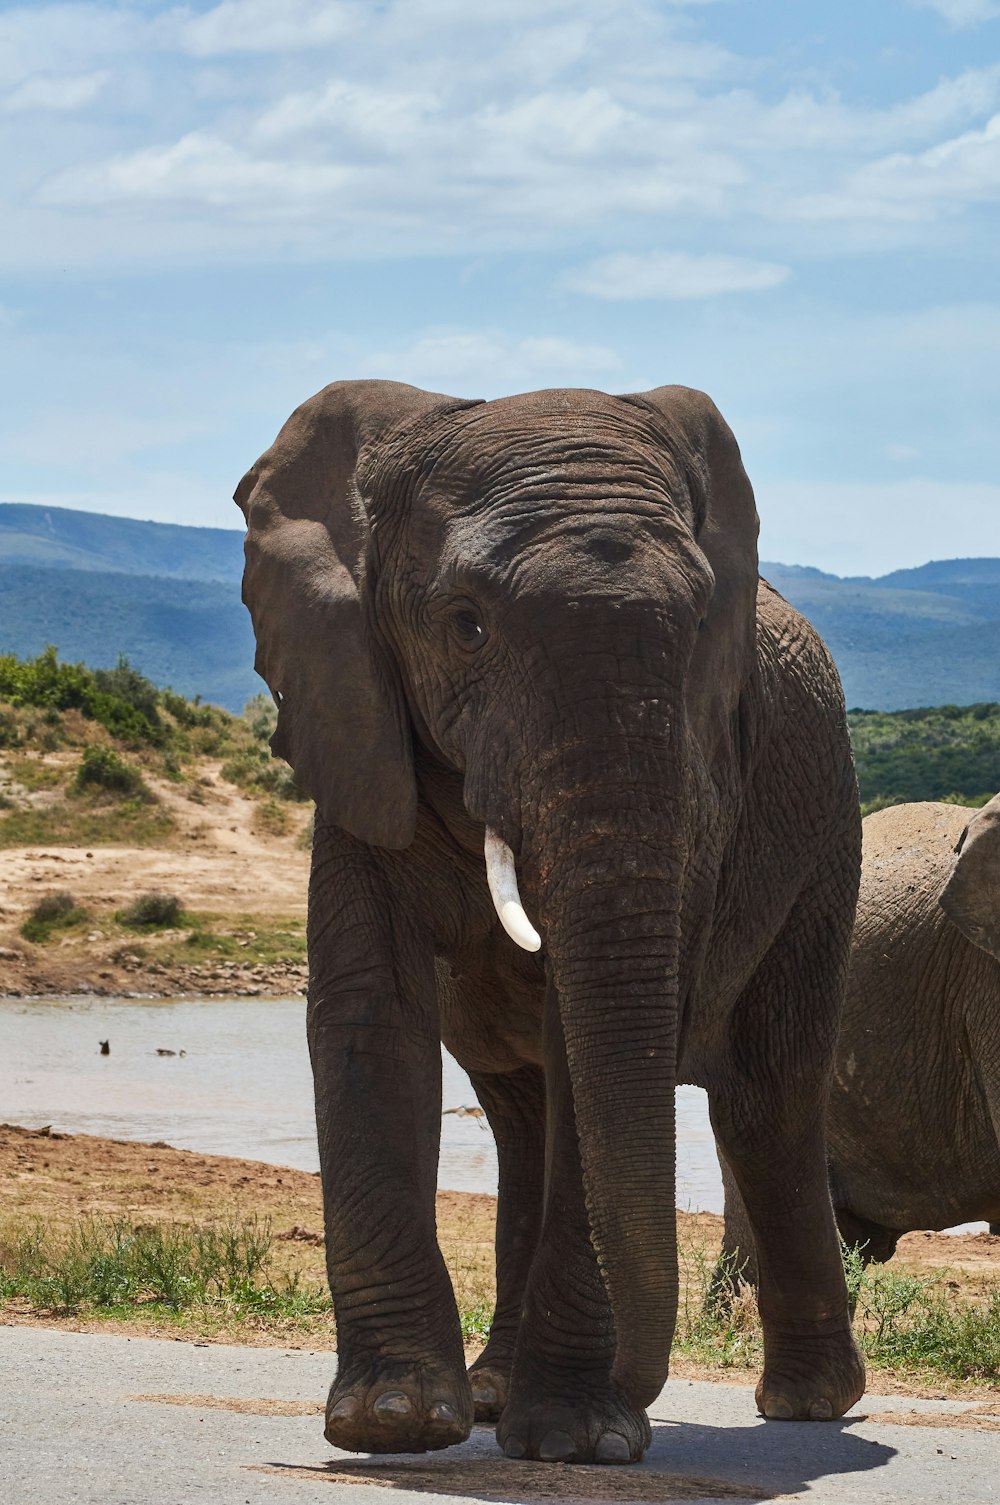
(610, 912)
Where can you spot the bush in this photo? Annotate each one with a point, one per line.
(121, 699)
(152, 912)
(102, 768)
(53, 911)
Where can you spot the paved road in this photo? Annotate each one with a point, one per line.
(94, 1420)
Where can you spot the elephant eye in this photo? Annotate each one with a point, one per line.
(469, 628)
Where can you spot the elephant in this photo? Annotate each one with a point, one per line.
(586, 813)
(914, 1116)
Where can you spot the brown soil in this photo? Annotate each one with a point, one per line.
(61, 1178)
(218, 860)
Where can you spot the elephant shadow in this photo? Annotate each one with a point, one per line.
(687, 1461)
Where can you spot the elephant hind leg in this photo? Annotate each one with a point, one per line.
(874, 1243)
(737, 1262)
(768, 1106)
(514, 1104)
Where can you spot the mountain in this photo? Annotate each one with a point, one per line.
(917, 637)
(169, 598)
(60, 538)
(192, 635)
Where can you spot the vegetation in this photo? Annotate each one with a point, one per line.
(124, 730)
(102, 768)
(55, 911)
(924, 1327)
(152, 912)
(229, 1273)
(940, 753)
(116, 1269)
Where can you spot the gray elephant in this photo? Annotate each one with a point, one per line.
(914, 1117)
(524, 665)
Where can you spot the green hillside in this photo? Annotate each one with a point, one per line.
(62, 538)
(168, 597)
(945, 752)
(194, 636)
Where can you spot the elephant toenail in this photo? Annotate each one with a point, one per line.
(820, 1410)
(394, 1403)
(484, 1395)
(514, 1448)
(612, 1448)
(441, 1411)
(345, 1409)
(557, 1447)
(777, 1410)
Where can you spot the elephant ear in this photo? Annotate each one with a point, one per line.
(971, 896)
(342, 722)
(726, 528)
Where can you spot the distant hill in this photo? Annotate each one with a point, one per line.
(192, 635)
(168, 597)
(919, 637)
(60, 538)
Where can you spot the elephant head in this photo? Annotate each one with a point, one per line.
(971, 896)
(552, 597)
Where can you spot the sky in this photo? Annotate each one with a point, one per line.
(208, 211)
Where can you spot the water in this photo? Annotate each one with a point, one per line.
(243, 1086)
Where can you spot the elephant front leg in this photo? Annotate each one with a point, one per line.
(514, 1104)
(563, 1405)
(767, 1112)
(401, 1384)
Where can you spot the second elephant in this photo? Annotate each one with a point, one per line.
(913, 1127)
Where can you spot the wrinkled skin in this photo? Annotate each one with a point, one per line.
(914, 1117)
(542, 615)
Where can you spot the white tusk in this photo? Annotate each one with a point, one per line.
(502, 879)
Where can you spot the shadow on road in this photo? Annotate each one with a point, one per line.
(687, 1461)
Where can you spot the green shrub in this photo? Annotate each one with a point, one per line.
(53, 912)
(103, 768)
(254, 768)
(152, 912)
(934, 753)
(121, 699)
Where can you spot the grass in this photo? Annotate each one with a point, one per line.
(112, 1268)
(919, 1327)
(88, 820)
(231, 1276)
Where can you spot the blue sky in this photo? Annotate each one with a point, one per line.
(210, 210)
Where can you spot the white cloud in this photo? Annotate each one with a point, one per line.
(51, 91)
(950, 176)
(200, 168)
(265, 26)
(381, 116)
(489, 363)
(962, 12)
(672, 275)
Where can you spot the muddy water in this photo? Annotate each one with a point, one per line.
(241, 1087)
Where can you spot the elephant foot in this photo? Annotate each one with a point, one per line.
(815, 1378)
(588, 1428)
(398, 1407)
(490, 1382)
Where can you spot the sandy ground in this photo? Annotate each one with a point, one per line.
(61, 1178)
(219, 861)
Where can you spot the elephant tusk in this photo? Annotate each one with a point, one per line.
(502, 879)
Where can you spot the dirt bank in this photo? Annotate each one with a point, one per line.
(245, 881)
(61, 1178)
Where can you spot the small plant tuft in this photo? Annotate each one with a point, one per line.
(101, 768)
(152, 912)
(55, 911)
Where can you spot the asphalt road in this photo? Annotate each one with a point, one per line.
(93, 1420)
